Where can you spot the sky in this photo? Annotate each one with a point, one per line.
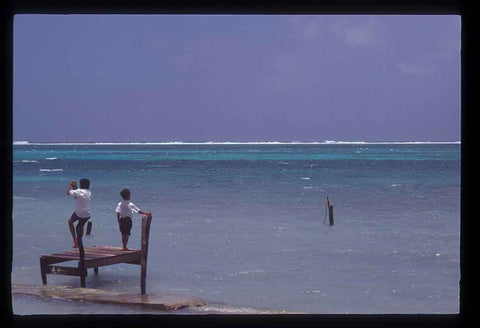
(243, 78)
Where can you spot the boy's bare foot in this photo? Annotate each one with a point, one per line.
(126, 249)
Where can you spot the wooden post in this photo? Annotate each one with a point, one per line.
(89, 228)
(43, 269)
(330, 211)
(81, 263)
(146, 221)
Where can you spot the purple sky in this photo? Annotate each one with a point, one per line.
(158, 78)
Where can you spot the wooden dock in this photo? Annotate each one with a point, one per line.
(98, 256)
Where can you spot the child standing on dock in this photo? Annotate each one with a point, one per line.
(125, 210)
(82, 208)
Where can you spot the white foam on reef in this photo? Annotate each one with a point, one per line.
(333, 142)
(325, 142)
(50, 170)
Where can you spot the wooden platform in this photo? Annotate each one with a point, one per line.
(97, 256)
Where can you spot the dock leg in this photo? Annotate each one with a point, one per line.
(81, 263)
(43, 270)
(95, 270)
(83, 275)
(83, 281)
(143, 272)
(83, 271)
(143, 280)
(89, 228)
(146, 221)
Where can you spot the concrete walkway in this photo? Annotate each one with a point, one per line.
(164, 302)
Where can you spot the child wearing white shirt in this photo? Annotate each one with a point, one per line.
(125, 210)
(82, 208)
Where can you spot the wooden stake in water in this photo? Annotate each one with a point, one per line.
(330, 211)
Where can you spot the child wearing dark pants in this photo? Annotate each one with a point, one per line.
(125, 210)
(82, 208)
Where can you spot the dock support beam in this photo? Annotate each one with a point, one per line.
(146, 221)
(81, 263)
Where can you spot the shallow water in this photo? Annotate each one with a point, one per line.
(242, 226)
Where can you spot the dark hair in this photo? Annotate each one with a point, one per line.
(84, 183)
(125, 193)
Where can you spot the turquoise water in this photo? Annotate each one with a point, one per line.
(242, 225)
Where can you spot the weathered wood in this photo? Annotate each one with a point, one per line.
(64, 270)
(330, 214)
(136, 262)
(45, 261)
(71, 257)
(54, 259)
(81, 263)
(330, 211)
(112, 260)
(146, 221)
(83, 276)
(92, 254)
(43, 269)
(97, 256)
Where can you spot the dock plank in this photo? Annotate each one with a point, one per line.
(93, 252)
(77, 256)
(127, 258)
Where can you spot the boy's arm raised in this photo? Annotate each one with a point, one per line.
(72, 185)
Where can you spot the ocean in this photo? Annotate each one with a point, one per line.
(243, 225)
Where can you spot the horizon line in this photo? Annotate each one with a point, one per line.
(324, 142)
